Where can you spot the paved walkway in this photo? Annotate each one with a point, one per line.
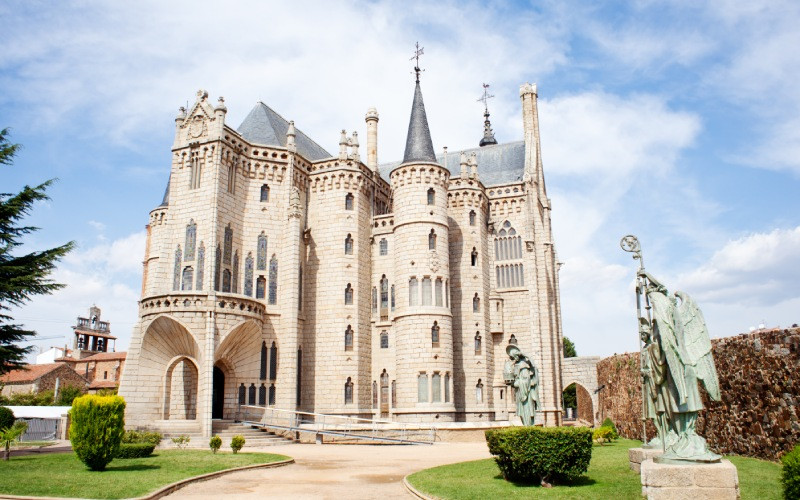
(333, 471)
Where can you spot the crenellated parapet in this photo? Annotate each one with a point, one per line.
(427, 173)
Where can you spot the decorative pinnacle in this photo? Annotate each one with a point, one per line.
(418, 52)
(485, 98)
(488, 134)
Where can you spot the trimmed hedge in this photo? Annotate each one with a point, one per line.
(98, 423)
(134, 436)
(790, 474)
(537, 454)
(135, 450)
(6, 418)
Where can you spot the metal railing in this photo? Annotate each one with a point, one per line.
(341, 427)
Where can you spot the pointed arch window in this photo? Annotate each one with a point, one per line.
(261, 252)
(348, 245)
(348, 338)
(374, 394)
(392, 298)
(201, 262)
(476, 303)
(235, 286)
(227, 250)
(513, 339)
(477, 342)
(384, 247)
(422, 388)
(264, 193)
(261, 286)
(374, 300)
(384, 340)
(439, 292)
(273, 362)
(251, 395)
(263, 365)
(273, 280)
(348, 295)
(479, 392)
(394, 394)
(426, 291)
(348, 201)
(431, 196)
(262, 395)
(384, 298)
(191, 237)
(474, 256)
(472, 217)
(348, 391)
(271, 400)
(447, 387)
(436, 388)
(248, 275)
(176, 271)
(217, 267)
(188, 278)
(242, 394)
(413, 292)
(435, 334)
(226, 280)
(432, 240)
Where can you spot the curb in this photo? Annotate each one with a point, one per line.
(171, 488)
(415, 491)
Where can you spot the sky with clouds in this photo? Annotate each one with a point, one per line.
(676, 121)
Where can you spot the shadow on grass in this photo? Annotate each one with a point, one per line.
(579, 482)
(133, 467)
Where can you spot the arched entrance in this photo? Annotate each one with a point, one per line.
(218, 393)
(578, 404)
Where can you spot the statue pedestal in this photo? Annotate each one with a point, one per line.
(693, 481)
(638, 455)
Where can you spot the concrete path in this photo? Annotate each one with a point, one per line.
(339, 472)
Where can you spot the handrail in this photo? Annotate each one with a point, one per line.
(337, 425)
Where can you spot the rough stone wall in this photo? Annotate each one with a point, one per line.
(759, 414)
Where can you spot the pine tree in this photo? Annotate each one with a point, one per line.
(25, 275)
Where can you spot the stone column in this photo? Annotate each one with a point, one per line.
(372, 139)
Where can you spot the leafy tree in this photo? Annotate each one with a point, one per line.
(11, 434)
(570, 393)
(569, 348)
(21, 276)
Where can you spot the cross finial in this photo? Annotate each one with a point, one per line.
(485, 97)
(418, 52)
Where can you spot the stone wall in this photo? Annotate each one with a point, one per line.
(758, 415)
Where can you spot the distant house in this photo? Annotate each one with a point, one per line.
(38, 378)
(101, 370)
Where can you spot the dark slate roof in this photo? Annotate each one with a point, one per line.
(419, 146)
(165, 201)
(497, 164)
(266, 127)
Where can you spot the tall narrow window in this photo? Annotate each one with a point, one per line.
(436, 388)
(227, 250)
(176, 271)
(426, 291)
(348, 338)
(374, 394)
(476, 303)
(447, 387)
(264, 193)
(384, 340)
(188, 278)
(479, 392)
(374, 300)
(263, 366)
(439, 292)
(201, 262)
(384, 298)
(261, 285)
(196, 172)
(273, 280)
(226, 280)
(235, 287)
(431, 196)
(262, 395)
(348, 201)
(248, 275)
(447, 293)
(513, 339)
(271, 400)
(273, 361)
(348, 391)
(477, 343)
(394, 393)
(392, 298)
(231, 178)
(472, 217)
(348, 295)
(300, 288)
(422, 388)
(474, 256)
(298, 395)
(191, 237)
(242, 394)
(432, 240)
(435, 334)
(261, 252)
(217, 267)
(413, 293)
(251, 395)
(348, 245)
(384, 246)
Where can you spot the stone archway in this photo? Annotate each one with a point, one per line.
(581, 372)
(238, 358)
(180, 389)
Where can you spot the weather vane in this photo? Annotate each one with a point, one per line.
(418, 52)
(485, 97)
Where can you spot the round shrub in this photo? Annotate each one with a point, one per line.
(6, 418)
(237, 442)
(98, 423)
(135, 450)
(610, 423)
(215, 443)
(603, 434)
(541, 454)
(790, 474)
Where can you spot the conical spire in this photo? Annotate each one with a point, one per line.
(419, 147)
(488, 134)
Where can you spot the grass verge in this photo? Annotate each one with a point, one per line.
(63, 475)
(609, 476)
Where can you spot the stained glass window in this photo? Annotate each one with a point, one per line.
(201, 262)
(248, 275)
(261, 252)
(273, 280)
(191, 237)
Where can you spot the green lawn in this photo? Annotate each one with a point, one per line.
(609, 476)
(63, 475)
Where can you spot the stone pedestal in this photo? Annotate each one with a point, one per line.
(638, 455)
(718, 481)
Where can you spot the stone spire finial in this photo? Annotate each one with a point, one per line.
(464, 165)
(419, 147)
(488, 134)
(221, 104)
(473, 166)
(290, 137)
(354, 146)
(343, 145)
(202, 95)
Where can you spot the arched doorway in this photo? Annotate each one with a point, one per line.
(578, 403)
(218, 394)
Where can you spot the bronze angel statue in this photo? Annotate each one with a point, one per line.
(676, 357)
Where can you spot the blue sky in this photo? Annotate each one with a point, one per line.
(676, 121)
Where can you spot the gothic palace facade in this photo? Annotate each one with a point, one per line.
(277, 274)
